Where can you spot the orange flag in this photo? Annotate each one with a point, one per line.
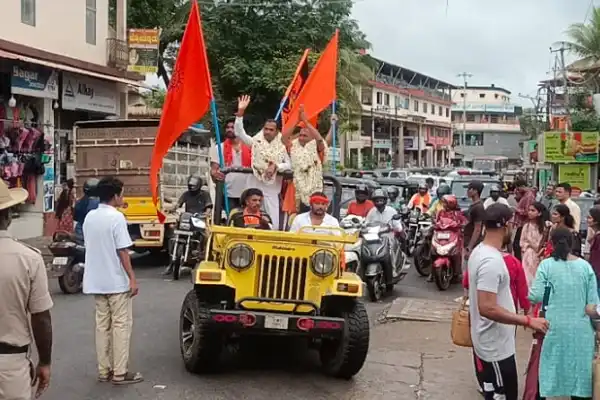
(319, 91)
(294, 90)
(188, 97)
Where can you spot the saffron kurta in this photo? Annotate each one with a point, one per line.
(568, 348)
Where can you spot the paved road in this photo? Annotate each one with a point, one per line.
(283, 370)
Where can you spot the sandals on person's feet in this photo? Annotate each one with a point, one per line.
(127, 379)
(105, 378)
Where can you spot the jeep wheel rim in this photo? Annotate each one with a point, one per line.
(187, 331)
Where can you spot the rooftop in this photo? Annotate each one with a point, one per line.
(491, 87)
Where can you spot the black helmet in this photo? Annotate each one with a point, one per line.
(378, 194)
(393, 191)
(361, 189)
(194, 183)
(443, 190)
(495, 188)
(89, 187)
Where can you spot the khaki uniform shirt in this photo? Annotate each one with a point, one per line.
(23, 290)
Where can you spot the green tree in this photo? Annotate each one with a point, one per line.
(584, 41)
(155, 98)
(255, 49)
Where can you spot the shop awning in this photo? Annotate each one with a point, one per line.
(62, 67)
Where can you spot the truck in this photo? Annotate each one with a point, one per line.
(123, 149)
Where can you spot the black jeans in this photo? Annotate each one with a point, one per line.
(516, 245)
(499, 377)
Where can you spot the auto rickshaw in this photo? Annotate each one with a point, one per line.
(256, 282)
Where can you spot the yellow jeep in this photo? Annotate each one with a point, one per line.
(261, 282)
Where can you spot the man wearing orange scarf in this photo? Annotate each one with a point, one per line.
(235, 154)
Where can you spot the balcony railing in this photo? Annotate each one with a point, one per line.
(117, 53)
(509, 126)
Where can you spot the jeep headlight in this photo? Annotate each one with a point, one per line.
(322, 263)
(241, 256)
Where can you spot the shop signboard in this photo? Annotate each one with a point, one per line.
(578, 176)
(385, 144)
(571, 147)
(89, 94)
(34, 81)
(143, 50)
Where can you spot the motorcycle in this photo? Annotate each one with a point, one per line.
(383, 262)
(352, 224)
(417, 221)
(68, 261)
(422, 256)
(446, 251)
(186, 247)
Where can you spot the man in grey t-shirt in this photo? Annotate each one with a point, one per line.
(492, 309)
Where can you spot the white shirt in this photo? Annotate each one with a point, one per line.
(575, 212)
(275, 189)
(374, 216)
(489, 201)
(105, 232)
(236, 183)
(303, 220)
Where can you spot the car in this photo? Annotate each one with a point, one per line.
(398, 174)
(257, 282)
(348, 188)
(407, 189)
(367, 174)
(459, 185)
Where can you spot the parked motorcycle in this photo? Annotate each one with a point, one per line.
(446, 251)
(186, 247)
(68, 261)
(422, 256)
(352, 225)
(417, 221)
(383, 262)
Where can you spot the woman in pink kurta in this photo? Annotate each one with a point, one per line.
(531, 238)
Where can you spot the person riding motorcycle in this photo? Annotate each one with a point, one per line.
(361, 205)
(381, 213)
(437, 205)
(394, 198)
(196, 200)
(83, 206)
(421, 199)
(495, 197)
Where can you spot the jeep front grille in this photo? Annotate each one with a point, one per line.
(282, 278)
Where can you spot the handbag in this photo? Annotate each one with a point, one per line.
(461, 325)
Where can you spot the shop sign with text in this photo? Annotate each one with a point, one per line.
(34, 81)
(571, 147)
(89, 94)
(578, 176)
(143, 50)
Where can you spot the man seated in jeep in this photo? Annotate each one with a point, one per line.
(317, 216)
(251, 215)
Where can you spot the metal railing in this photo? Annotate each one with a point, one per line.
(117, 53)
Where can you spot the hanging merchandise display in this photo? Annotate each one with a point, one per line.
(22, 147)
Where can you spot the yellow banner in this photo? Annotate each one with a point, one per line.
(143, 50)
(578, 176)
(569, 147)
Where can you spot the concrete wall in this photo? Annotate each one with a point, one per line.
(60, 27)
(494, 144)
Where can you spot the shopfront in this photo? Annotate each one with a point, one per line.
(28, 95)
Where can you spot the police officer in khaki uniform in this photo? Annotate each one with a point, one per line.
(24, 310)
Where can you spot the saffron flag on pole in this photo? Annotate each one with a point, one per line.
(188, 96)
(319, 90)
(294, 89)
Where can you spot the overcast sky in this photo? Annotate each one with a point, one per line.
(502, 42)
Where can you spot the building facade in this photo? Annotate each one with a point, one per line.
(485, 122)
(406, 121)
(60, 62)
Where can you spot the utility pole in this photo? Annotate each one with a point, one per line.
(464, 75)
(563, 70)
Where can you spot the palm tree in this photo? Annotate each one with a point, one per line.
(585, 43)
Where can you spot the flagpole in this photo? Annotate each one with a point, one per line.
(213, 111)
(333, 134)
(281, 105)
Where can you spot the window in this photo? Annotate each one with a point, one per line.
(440, 111)
(496, 96)
(406, 104)
(425, 108)
(456, 139)
(366, 95)
(416, 106)
(28, 12)
(470, 118)
(447, 112)
(433, 109)
(379, 98)
(481, 95)
(474, 139)
(90, 21)
(386, 99)
(494, 119)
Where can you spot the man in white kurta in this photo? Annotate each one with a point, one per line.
(269, 156)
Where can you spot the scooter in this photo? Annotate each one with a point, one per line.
(68, 261)
(352, 225)
(383, 262)
(446, 252)
(186, 247)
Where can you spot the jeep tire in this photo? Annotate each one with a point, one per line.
(344, 357)
(200, 346)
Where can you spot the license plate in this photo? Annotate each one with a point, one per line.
(182, 233)
(60, 260)
(443, 236)
(276, 322)
(371, 237)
